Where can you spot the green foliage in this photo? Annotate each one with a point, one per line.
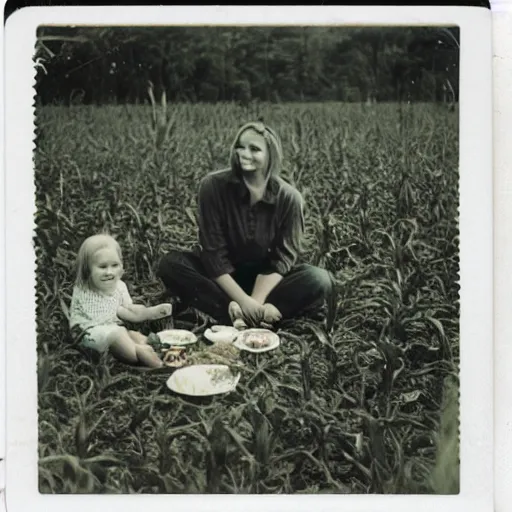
(113, 64)
(357, 410)
(445, 478)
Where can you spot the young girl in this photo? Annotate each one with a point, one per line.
(101, 302)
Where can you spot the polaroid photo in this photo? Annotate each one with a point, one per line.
(249, 253)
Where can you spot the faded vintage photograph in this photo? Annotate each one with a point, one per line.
(247, 253)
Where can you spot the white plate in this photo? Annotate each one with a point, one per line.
(203, 380)
(240, 340)
(177, 337)
(221, 334)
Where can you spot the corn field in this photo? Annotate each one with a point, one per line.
(370, 407)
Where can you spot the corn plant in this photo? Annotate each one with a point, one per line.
(358, 405)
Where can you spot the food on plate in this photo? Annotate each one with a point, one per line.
(218, 375)
(257, 340)
(177, 337)
(199, 385)
(219, 328)
(175, 357)
(201, 380)
(221, 334)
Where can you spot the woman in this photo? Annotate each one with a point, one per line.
(251, 226)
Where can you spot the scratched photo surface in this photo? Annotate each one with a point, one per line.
(361, 398)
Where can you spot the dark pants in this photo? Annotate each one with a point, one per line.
(302, 290)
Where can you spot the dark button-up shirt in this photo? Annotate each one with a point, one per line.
(232, 232)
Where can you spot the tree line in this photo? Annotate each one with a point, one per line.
(100, 65)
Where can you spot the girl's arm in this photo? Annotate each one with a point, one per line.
(137, 313)
(133, 313)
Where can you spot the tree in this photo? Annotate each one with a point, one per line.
(114, 64)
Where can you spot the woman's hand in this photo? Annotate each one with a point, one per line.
(271, 314)
(236, 315)
(252, 311)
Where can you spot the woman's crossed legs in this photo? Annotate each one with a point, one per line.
(302, 289)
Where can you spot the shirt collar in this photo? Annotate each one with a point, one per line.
(271, 190)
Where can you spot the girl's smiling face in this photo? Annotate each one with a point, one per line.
(252, 152)
(106, 270)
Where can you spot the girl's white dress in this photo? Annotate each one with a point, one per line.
(96, 313)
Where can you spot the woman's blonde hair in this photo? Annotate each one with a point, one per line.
(275, 149)
(87, 250)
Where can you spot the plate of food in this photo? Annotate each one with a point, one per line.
(174, 357)
(221, 334)
(203, 380)
(257, 340)
(177, 337)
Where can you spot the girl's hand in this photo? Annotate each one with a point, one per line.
(160, 311)
(271, 314)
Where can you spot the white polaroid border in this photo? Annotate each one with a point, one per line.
(476, 264)
(502, 48)
(3, 379)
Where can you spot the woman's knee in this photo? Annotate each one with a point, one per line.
(320, 279)
(168, 261)
(176, 262)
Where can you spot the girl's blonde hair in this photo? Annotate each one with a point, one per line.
(87, 250)
(275, 149)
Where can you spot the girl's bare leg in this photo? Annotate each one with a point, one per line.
(125, 349)
(148, 357)
(138, 337)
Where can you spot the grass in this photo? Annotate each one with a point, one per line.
(360, 409)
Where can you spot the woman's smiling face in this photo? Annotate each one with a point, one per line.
(252, 152)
